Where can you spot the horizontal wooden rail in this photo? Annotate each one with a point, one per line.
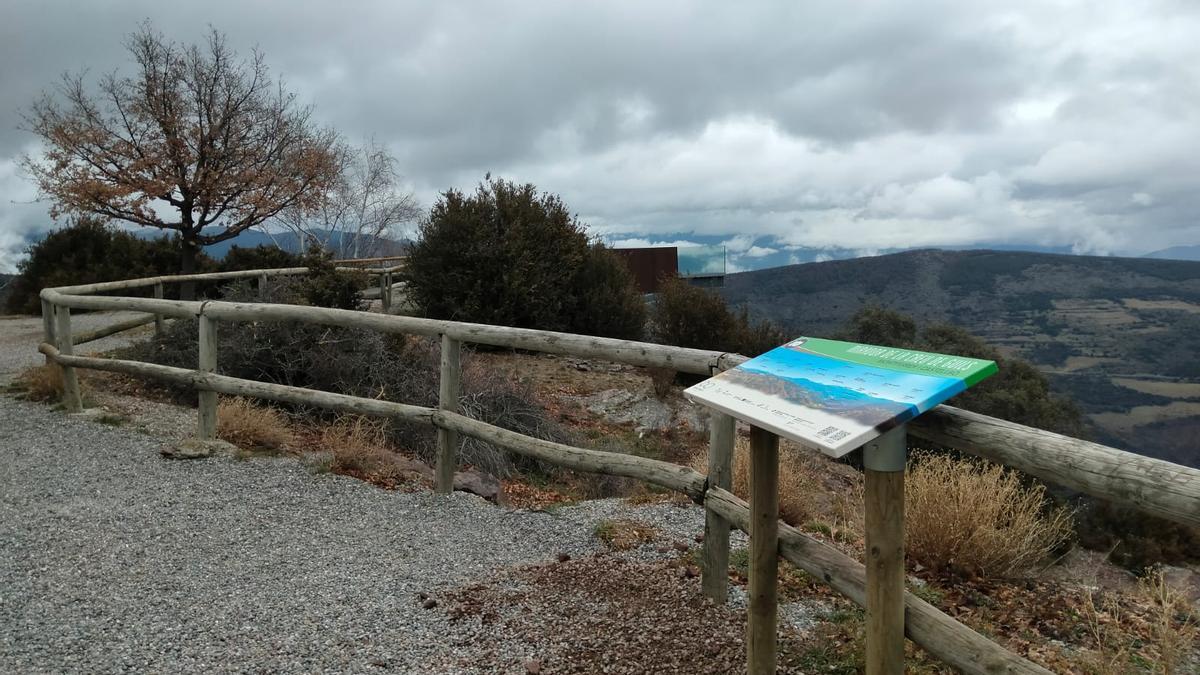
(926, 625)
(112, 329)
(697, 361)
(663, 474)
(1151, 485)
(109, 286)
(1154, 486)
(236, 386)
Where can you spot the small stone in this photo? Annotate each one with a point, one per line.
(681, 546)
(429, 603)
(533, 666)
(691, 571)
(422, 595)
(195, 448)
(563, 557)
(663, 549)
(699, 538)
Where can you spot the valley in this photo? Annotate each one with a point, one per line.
(1119, 336)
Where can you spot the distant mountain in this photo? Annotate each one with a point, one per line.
(1120, 335)
(284, 240)
(1176, 253)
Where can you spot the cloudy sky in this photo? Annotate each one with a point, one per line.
(781, 129)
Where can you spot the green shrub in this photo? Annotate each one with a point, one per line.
(325, 286)
(1017, 393)
(89, 251)
(508, 255)
(1137, 541)
(261, 257)
(689, 316)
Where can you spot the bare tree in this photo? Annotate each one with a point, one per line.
(359, 210)
(198, 142)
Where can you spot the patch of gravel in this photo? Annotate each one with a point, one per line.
(20, 336)
(677, 524)
(113, 559)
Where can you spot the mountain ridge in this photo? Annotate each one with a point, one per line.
(1119, 335)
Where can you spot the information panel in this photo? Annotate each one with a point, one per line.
(835, 396)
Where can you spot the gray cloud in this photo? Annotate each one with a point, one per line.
(861, 125)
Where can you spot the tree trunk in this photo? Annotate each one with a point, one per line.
(187, 265)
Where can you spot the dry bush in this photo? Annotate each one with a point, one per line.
(360, 448)
(972, 518)
(797, 484)
(493, 397)
(662, 379)
(42, 383)
(253, 427)
(624, 534)
(1172, 622)
(365, 364)
(1102, 616)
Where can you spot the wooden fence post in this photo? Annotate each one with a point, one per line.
(384, 290)
(764, 551)
(262, 287)
(715, 582)
(48, 325)
(884, 459)
(206, 414)
(448, 390)
(158, 318)
(62, 333)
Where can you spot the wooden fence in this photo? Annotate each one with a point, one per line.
(1153, 486)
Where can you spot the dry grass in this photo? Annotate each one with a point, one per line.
(976, 519)
(1153, 626)
(798, 484)
(253, 427)
(360, 448)
(42, 383)
(624, 534)
(1172, 622)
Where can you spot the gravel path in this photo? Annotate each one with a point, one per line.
(113, 559)
(20, 335)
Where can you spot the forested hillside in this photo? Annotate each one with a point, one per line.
(1119, 335)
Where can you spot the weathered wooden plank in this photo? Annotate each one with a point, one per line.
(113, 329)
(665, 474)
(449, 388)
(937, 633)
(234, 386)
(62, 333)
(715, 582)
(178, 309)
(761, 620)
(206, 410)
(159, 324)
(1151, 485)
(47, 323)
(624, 351)
(107, 286)
(884, 516)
